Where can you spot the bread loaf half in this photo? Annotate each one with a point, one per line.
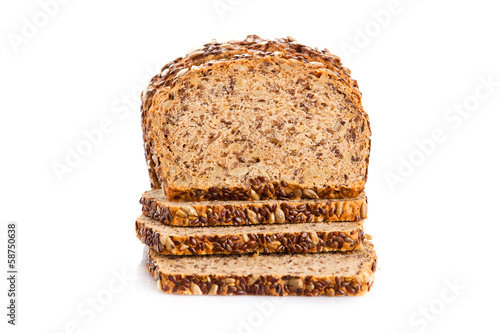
(330, 274)
(255, 120)
(291, 238)
(218, 213)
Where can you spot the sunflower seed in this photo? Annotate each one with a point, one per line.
(195, 289)
(189, 210)
(167, 242)
(271, 218)
(308, 193)
(195, 54)
(182, 72)
(180, 213)
(314, 237)
(279, 215)
(364, 210)
(252, 216)
(340, 209)
(254, 195)
(317, 64)
(274, 244)
(330, 292)
(251, 280)
(229, 280)
(213, 289)
(295, 283)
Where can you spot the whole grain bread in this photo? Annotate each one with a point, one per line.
(330, 274)
(255, 120)
(217, 213)
(291, 238)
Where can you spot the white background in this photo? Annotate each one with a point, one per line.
(435, 226)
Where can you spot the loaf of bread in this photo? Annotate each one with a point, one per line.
(330, 274)
(255, 120)
(216, 213)
(290, 238)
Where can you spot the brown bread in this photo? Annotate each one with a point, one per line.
(291, 238)
(217, 213)
(256, 120)
(330, 274)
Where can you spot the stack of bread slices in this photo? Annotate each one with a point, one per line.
(258, 154)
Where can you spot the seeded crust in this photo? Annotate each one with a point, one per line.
(291, 238)
(258, 181)
(217, 213)
(327, 274)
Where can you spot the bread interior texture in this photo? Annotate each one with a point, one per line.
(283, 120)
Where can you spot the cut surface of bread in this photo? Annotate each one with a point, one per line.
(331, 273)
(217, 213)
(284, 124)
(292, 238)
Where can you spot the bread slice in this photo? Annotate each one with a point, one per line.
(268, 120)
(214, 51)
(217, 213)
(292, 238)
(330, 274)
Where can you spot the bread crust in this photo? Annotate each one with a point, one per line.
(247, 241)
(271, 284)
(251, 48)
(156, 206)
